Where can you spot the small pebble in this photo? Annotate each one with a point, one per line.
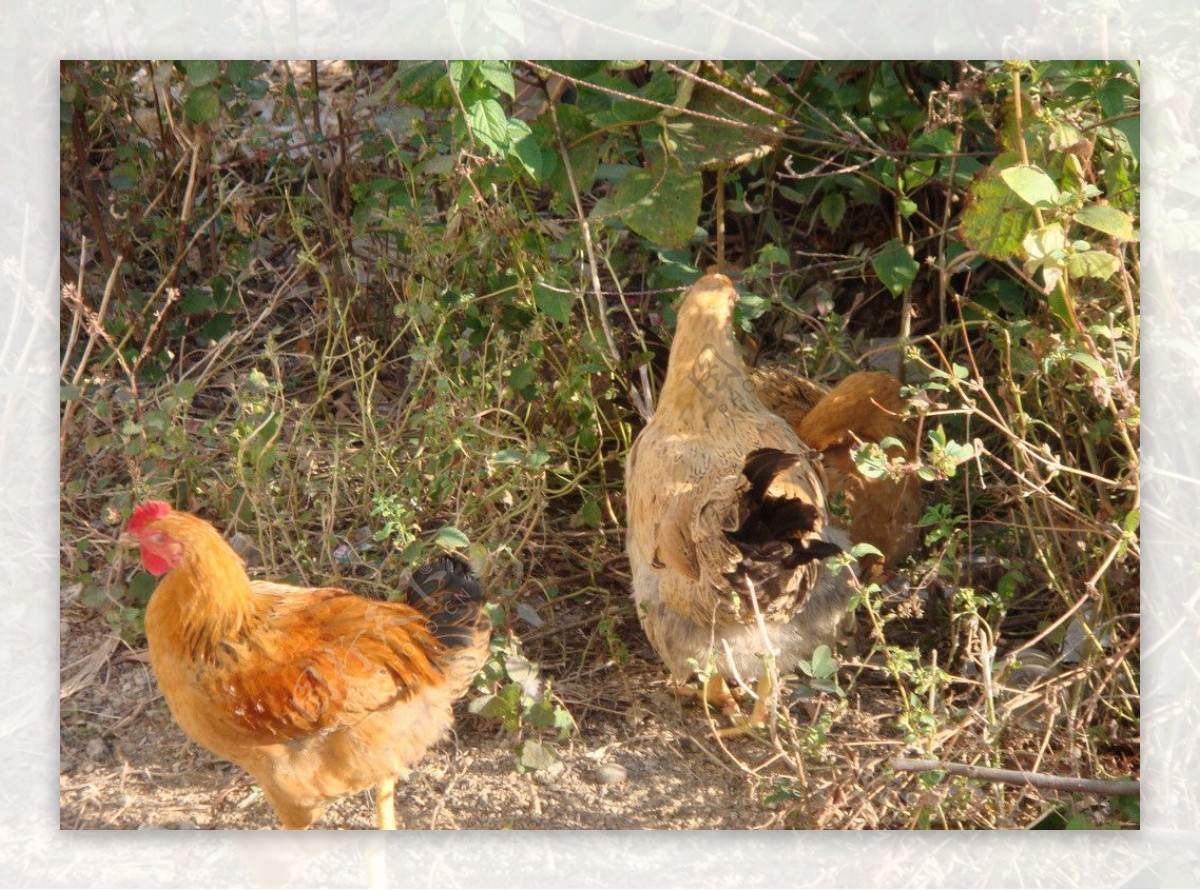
(610, 773)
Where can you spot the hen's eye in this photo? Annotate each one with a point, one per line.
(158, 538)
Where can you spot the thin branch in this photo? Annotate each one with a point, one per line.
(1107, 787)
(641, 400)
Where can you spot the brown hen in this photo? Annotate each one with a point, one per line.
(316, 692)
(727, 517)
(865, 407)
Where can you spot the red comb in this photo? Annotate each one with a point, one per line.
(147, 512)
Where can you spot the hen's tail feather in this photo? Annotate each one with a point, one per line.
(450, 595)
(777, 529)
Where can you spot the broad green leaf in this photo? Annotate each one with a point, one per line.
(140, 588)
(449, 536)
(217, 327)
(706, 141)
(1107, 219)
(238, 70)
(823, 663)
(995, 219)
(203, 105)
(590, 515)
(832, 210)
(554, 302)
(524, 147)
(664, 208)
(202, 71)
(1092, 264)
(522, 376)
(499, 74)
(489, 124)
(461, 70)
(895, 268)
(1031, 184)
(1131, 129)
(1090, 363)
(858, 551)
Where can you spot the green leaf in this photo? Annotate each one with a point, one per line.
(449, 536)
(217, 327)
(1032, 185)
(1132, 520)
(460, 71)
(663, 209)
(895, 268)
(185, 390)
(995, 219)
(521, 377)
(238, 70)
(200, 72)
(489, 124)
(858, 551)
(1107, 219)
(1090, 363)
(499, 74)
(203, 105)
(140, 587)
(1092, 264)
(832, 210)
(590, 514)
(532, 754)
(554, 302)
(525, 148)
(196, 300)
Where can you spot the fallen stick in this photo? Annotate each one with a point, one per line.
(1022, 777)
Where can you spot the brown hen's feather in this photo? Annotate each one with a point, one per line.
(726, 511)
(316, 692)
(865, 407)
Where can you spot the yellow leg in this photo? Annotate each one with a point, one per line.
(385, 805)
(716, 692)
(758, 716)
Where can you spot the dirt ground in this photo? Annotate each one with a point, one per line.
(647, 761)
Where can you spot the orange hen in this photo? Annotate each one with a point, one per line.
(315, 692)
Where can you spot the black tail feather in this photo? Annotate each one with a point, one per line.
(778, 531)
(451, 596)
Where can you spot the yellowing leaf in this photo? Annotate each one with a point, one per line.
(1031, 184)
(1107, 219)
(995, 219)
(1092, 264)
